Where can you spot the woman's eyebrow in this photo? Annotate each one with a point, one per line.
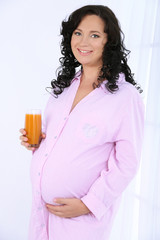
(93, 31)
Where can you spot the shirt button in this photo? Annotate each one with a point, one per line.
(65, 118)
(55, 137)
(46, 154)
(39, 174)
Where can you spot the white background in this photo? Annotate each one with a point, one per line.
(29, 53)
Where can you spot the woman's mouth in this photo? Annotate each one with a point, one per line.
(84, 52)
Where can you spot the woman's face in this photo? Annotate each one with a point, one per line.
(88, 41)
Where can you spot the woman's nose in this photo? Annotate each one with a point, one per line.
(84, 40)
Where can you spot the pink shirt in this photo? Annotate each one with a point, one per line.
(92, 154)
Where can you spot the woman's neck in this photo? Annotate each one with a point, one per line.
(89, 76)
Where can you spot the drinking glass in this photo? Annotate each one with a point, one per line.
(33, 122)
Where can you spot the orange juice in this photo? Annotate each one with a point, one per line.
(33, 128)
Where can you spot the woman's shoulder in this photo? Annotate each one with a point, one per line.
(127, 90)
(126, 96)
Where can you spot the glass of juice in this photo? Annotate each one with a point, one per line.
(33, 123)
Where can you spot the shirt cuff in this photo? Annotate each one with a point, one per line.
(94, 205)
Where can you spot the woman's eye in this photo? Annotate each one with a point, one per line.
(77, 33)
(95, 36)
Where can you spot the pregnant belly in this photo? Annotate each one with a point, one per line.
(66, 180)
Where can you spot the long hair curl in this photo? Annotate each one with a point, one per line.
(114, 55)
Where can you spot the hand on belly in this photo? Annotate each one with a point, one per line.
(69, 208)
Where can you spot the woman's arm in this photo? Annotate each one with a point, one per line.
(123, 161)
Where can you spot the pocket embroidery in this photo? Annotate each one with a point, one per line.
(90, 130)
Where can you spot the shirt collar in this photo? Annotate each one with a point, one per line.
(120, 80)
(77, 76)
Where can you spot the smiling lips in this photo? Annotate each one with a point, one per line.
(84, 52)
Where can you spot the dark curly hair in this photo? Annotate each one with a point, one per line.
(114, 55)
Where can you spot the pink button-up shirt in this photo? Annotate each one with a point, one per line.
(91, 153)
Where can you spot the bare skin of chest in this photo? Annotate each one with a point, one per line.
(81, 93)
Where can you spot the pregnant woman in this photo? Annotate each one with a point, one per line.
(93, 130)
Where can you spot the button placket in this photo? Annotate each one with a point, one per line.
(39, 208)
(38, 193)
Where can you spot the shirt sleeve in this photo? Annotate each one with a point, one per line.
(123, 161)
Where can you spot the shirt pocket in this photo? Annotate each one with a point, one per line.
(90, 130)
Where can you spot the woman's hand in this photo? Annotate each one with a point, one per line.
(24, 139)
(71, 207)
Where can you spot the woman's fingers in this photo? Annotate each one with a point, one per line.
(24, 139)
(22, 131)
(43, 135)
(27, 145)
(31, 148)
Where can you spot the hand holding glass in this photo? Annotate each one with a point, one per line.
(33, 124)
